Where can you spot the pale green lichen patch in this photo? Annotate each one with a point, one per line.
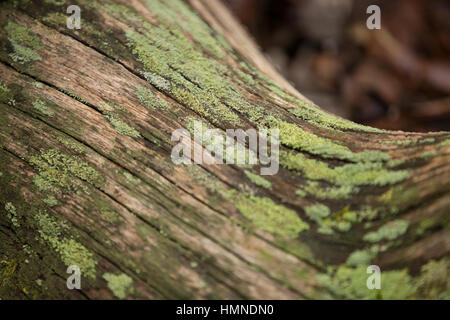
(424, 225)
(210, 143)
(351, 283)
(38, 84)
(429, 154)
(293, 136)
(361, 257)
(5, 92)
(397, 196)
(74, 253)
(317, 211)
(157, 81)
(70, 251)
(132, 178)
(111, 107)
(71, 144)
(182, 69)
(427, 140)
(51, 201)
(409, 142)
(177, 13)
(267, 215)
(12, 214)
(23, 42)
(258, 180)
(111, 216)
(147, 97)
(390, 231)
(56, 2)
(120, 285)
(22, 34)
(321, 214)
(434, 280)
(42, 108)
(314, 189)
(121, 126)
(444, 143)
(400, 142)
(61, 170)
(395, 162)
(55, 18)
(367, 173)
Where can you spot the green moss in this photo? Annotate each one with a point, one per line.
(71, 144)
(12, 214)
(341, 220)
(70, 251)
(56, 2)
(350, 283)
(183, 70)
(366, 213)
(40, 106)
(49, 228)
(357, 174)
(60, 169)
(51, 201)
(429, 154)
(132, 178)
(38, 84)
(400, 142)
(317, 211)
(111, 216)
(45, 185)
(5, 92)
(157, 81)
(9, 268)
(444, 143)
(434, 280)
(399, 196)
(147, 97)
(120, 285)
(249, 156)
(293, 136)
(23, 35)
(395, 162)
(267, 215)
(361, 257)
(258, 180)
(121, 127)
(177, 13)
(74, 253)
(389, 231)
(24, 42)
(427, 140)
(424, 225)
(56, 18)
(314, 189)
(74, 96)
(92, 30)
(23, 54)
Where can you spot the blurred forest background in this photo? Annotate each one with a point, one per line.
(394, 78)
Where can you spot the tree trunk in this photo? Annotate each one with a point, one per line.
(87, 178)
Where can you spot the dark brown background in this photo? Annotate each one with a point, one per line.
(394, 78)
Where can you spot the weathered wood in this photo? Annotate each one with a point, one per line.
(87, 179)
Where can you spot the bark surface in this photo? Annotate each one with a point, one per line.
(86, 176)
